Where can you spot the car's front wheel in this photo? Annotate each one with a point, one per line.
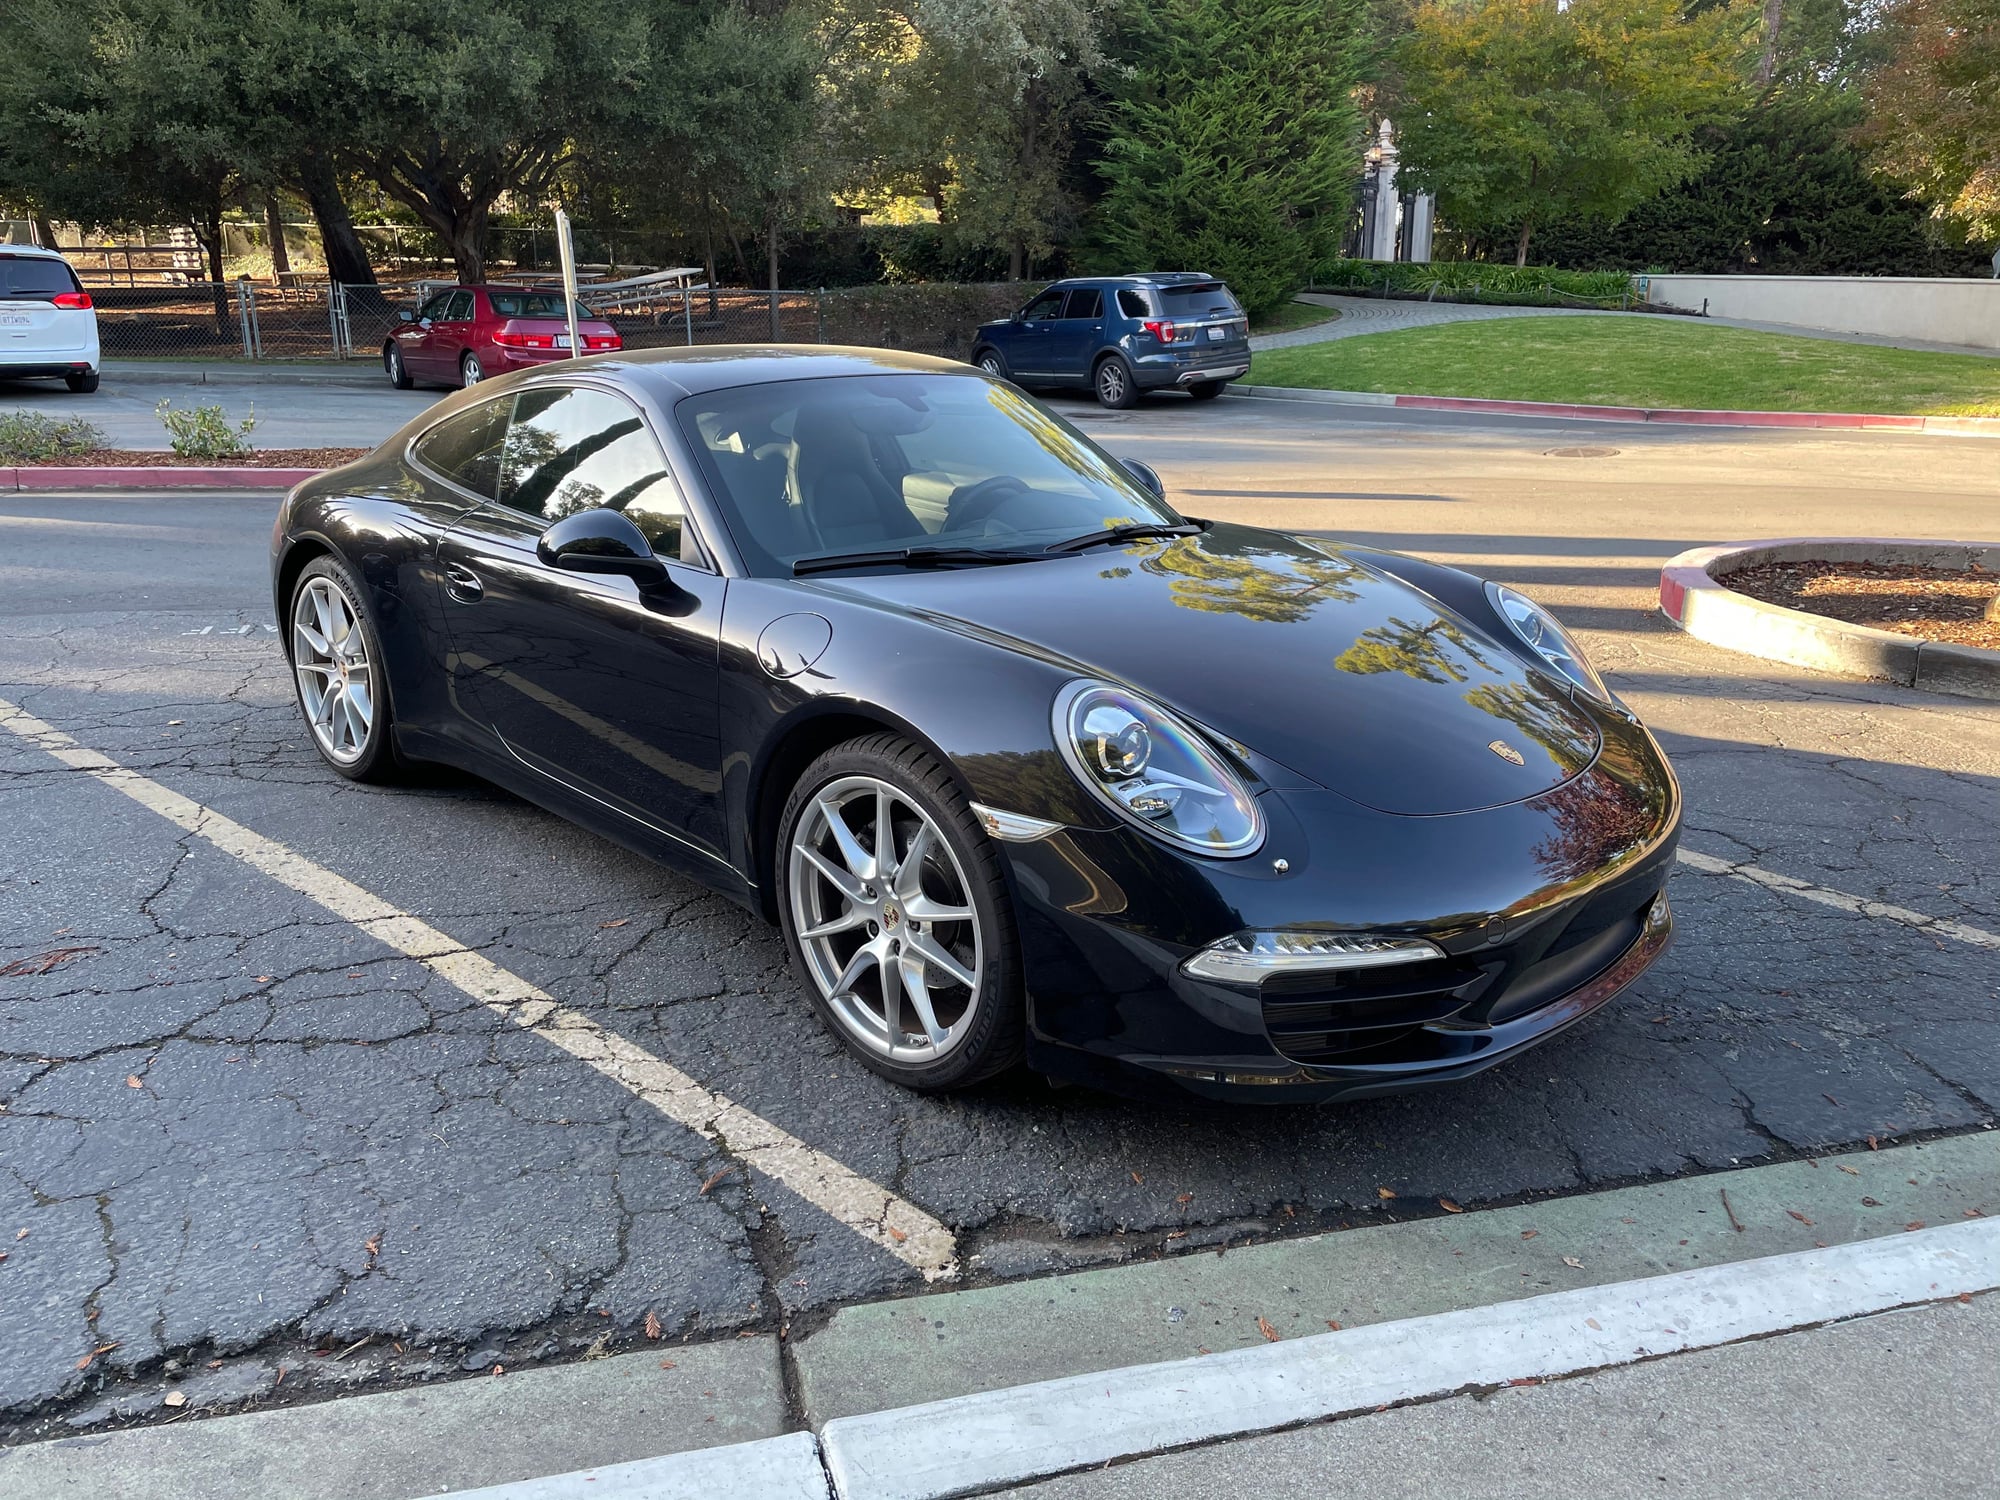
(392, 362)
(338, 669)
(898, 918)
(990, 361)
(81, 385)
(1113, 383)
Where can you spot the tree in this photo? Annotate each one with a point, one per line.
(1522, 112)
(1936, 108)
(1231, 136)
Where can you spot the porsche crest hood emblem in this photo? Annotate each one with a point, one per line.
(1506, 752)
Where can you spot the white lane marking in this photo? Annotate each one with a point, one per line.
(1805, 890)
(1009, 1437)
(870, 1210)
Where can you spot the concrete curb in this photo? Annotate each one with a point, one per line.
(1672, 416)
(1692, 596)
(140, 477)
(775, 1468)
(361, 373)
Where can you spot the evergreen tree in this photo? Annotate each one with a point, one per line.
(1232, 141)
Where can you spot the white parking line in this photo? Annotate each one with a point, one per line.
(1805, 890)
(870, 1210)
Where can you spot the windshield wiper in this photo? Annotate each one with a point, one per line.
(910, 557)
(1130, 531)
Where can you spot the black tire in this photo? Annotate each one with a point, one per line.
(81, 385)
(379, 762)
(992, 362)
(470, 371)
(392, 364)
(1207, 390)
(995, 1039)
(1112, 383)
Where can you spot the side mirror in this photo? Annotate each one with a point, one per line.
(404, 315)
(601, 541)
(1146, 476)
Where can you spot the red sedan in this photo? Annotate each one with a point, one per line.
(464, 334)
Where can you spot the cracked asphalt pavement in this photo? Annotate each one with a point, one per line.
(244, 1143)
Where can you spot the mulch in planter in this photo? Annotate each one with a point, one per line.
(1935, 604)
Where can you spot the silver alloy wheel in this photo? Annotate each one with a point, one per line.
(990, 363)
(395, 364)
(336, 679)
(1111, 382)
(885, 920)
(470, 370)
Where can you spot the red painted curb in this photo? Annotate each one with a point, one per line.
(1684, 416)
(140, 477)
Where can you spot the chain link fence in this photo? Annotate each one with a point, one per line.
(305, 320)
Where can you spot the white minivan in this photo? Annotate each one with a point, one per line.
(47, 324)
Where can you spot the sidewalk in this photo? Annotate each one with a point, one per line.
(1589, 1344)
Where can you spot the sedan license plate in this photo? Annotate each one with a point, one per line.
(562, 341)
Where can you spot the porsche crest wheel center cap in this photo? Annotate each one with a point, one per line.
(891, 917)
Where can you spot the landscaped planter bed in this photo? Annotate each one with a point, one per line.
(153, 458)
(1935, 604)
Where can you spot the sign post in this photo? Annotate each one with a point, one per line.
(568, 254)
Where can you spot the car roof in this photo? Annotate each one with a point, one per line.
(41, 250)
(1141, 278)
(669, 374)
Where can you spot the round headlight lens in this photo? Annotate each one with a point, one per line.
(1544, 635)
(1154, 770)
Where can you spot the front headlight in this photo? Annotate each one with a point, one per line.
(1149, 767)
(1544, 635)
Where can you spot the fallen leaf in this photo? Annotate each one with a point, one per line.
(666, 1364)
(1966, 1298)
(1333, 1324)
(373, 1247)
(1177, 1234)
(1970, 1213)
(1449, 1207)
(281, 1377)
(499, 1370)
(896, 1234)
(1528, 1234)
(1137, 1178)
(1872, 1146)
(1914, 1224)
(1524, 1380)
(713, 1178)
(1185, 1198)
(652, 1324)
(1572, 1262)
(1830, 1099)
(1592, 1322)
(620, 922)
(1842, 1166)
(263, 978)
(3, 1256)
(41, 963)
(1800, 1217)
(84, 1363)
(1264, 1327)
(354, 974)
(174, 1398)
(133, 1081)
(1385, 1193)
(20, 1234)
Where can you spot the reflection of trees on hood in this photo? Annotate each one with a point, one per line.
(1605, 817)
(1436, 651)
(1281, 587)
(1547, 720)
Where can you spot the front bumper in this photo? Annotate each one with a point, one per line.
(1544, 911)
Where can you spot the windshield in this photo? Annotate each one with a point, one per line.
(530, 305)
(34, 276)
(1197, 301)
(855, 463)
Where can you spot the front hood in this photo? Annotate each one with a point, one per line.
(1302, 652)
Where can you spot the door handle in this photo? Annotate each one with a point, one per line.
(462, 583)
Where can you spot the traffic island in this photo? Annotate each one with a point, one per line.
(1710, 592)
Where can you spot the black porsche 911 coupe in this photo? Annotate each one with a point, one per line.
(1029, 766)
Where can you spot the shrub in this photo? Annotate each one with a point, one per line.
(29, 437)
(1475, 281)
(204, 431)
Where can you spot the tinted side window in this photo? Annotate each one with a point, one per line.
(434, 309)
(1085, 302)
(460, 308)
(572, 449)
(466, 448)
(1133, 304)
(1048, 305)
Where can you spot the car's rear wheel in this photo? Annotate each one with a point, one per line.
(392, 361)
(898, 918)
(990, 361)
(1113, 384)
(1207, 390)
(337, 668)
(81, 385)
(470, 371)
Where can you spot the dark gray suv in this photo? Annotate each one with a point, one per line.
(1120, 335)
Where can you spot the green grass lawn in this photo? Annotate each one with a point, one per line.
(1653, 361)
(1294, 315)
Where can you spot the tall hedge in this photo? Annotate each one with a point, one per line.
(1231, 137)
(1786, 192)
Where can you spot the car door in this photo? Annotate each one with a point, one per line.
(414, 339)
(596, 683)
(1028, 352)
(1074, 338)
(451, 335)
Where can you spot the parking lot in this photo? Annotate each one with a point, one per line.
(541, 1098)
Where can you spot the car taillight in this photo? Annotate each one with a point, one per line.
(1160, 328)
(508, 340)
(75, 301)
(603, 341)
